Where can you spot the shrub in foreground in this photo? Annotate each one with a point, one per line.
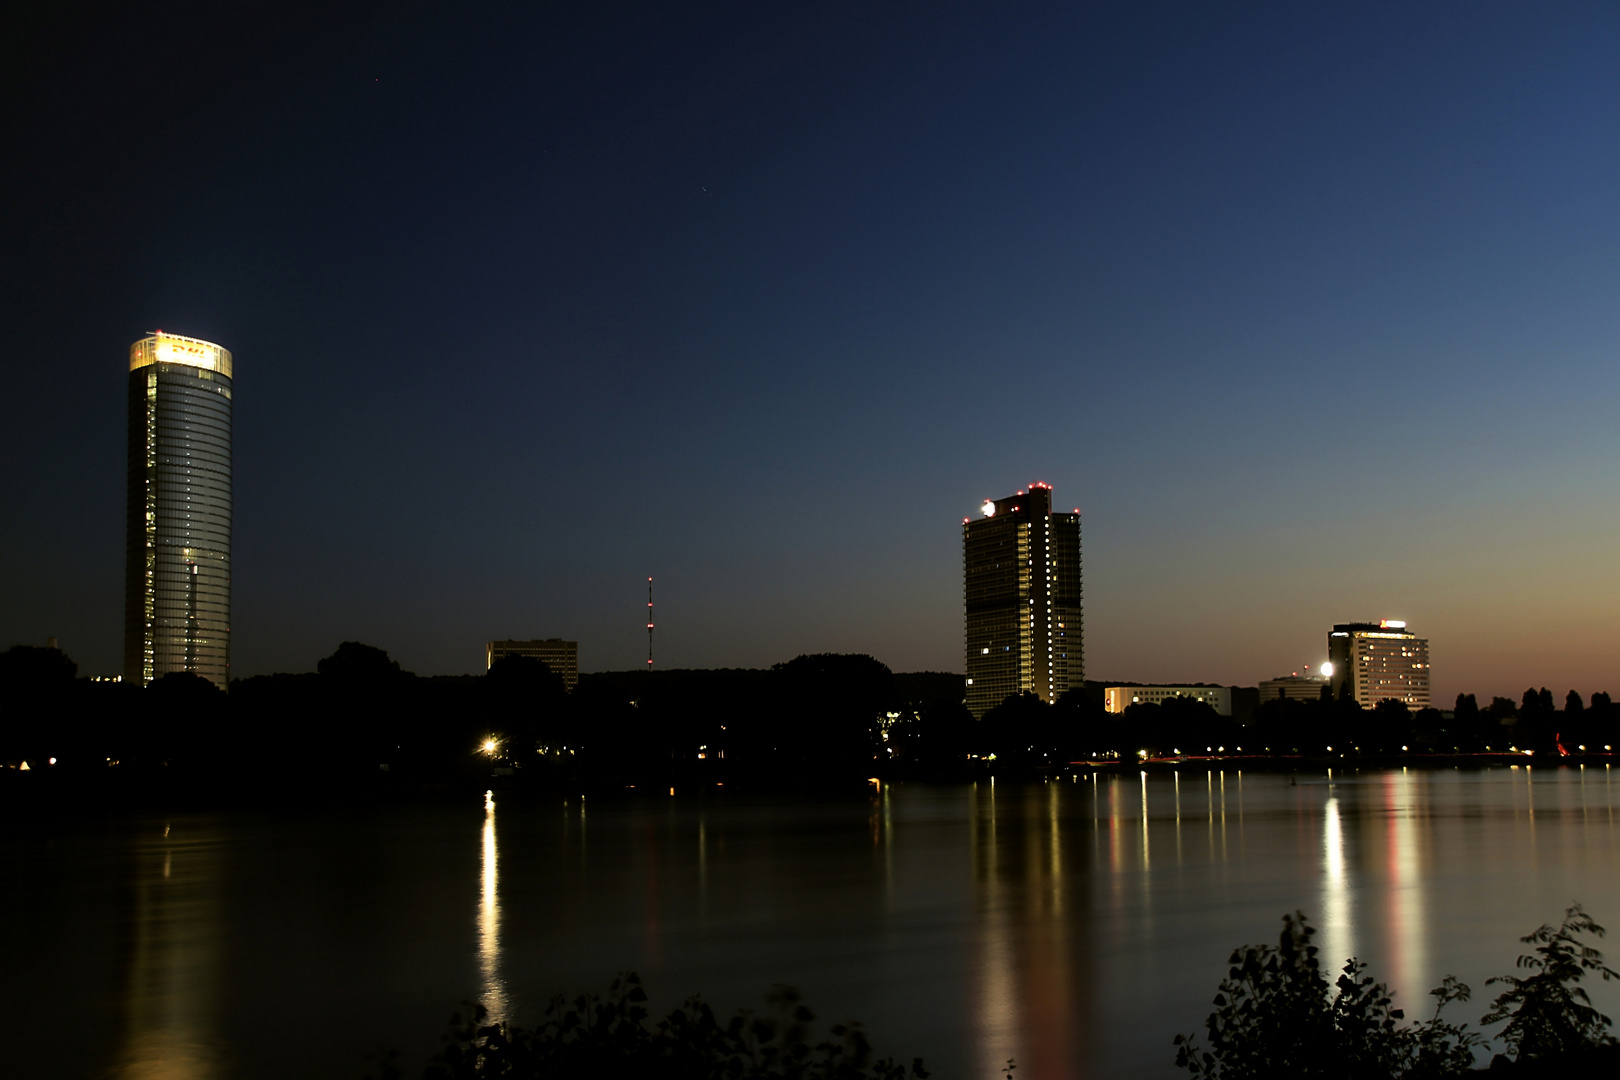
(609, 1038)
(1274, 1016)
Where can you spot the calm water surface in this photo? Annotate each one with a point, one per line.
(1074, 925)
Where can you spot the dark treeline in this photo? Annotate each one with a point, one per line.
(359, 714)
(1531, 724)
(820, 717)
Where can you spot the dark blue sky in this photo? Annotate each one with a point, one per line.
(1312, 310)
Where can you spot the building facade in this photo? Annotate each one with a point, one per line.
(1022, 592)
(560, 656)
(1380, 660)
(177, 557)
(1294, 687)
(1116, 699)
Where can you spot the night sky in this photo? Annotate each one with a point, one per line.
(1312, 309)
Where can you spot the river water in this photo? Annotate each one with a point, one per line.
(1074, 925)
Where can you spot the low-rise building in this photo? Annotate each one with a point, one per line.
(1294, 687)
(1116, 699)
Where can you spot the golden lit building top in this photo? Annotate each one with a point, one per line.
(161, 348)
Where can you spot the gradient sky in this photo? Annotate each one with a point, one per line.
(1313, 310)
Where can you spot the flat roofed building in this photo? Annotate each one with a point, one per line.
(1294, 687)
(1022, 600)
(1116, 699)
(1379, 661)
(560, 656)
(177, 547)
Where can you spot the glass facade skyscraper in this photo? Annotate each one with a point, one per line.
(1022, 599)
(177, 565)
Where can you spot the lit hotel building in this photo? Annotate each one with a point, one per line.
(1021, 594)
(562, 657)
(177, 556)
(1380, 660)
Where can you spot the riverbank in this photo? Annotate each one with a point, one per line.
(91, 792)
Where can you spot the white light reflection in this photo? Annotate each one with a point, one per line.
(1177, 778)
(1407, 914)
(1338, 937)
(489, 922)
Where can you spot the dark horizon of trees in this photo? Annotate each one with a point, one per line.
(360, 713)
(827, 716)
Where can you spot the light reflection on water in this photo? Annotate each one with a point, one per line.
(173, 968)
(1074, 925)
(489, 919)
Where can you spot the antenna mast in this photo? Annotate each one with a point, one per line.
(649, 624)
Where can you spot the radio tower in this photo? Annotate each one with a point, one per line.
(649, 624)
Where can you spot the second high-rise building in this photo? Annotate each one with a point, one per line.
(1373, 662)
(1022, 599)
(177, 569)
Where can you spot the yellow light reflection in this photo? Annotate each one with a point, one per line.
(997, 1012)
(1147, 860)
(169, 1026)
(489, 920)
(1025, 1002)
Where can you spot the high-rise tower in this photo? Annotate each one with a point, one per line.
(1379, 660)
(1022, 597)
(177, 560)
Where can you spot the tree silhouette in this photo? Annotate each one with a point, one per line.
(609, 1037)
(1548, 1013)
(525, 706)
(1274, 1018)
(828, 712)
(353, 663)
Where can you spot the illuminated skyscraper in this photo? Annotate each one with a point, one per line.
(1380, 660)
(1022, 594)
(177, 560)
